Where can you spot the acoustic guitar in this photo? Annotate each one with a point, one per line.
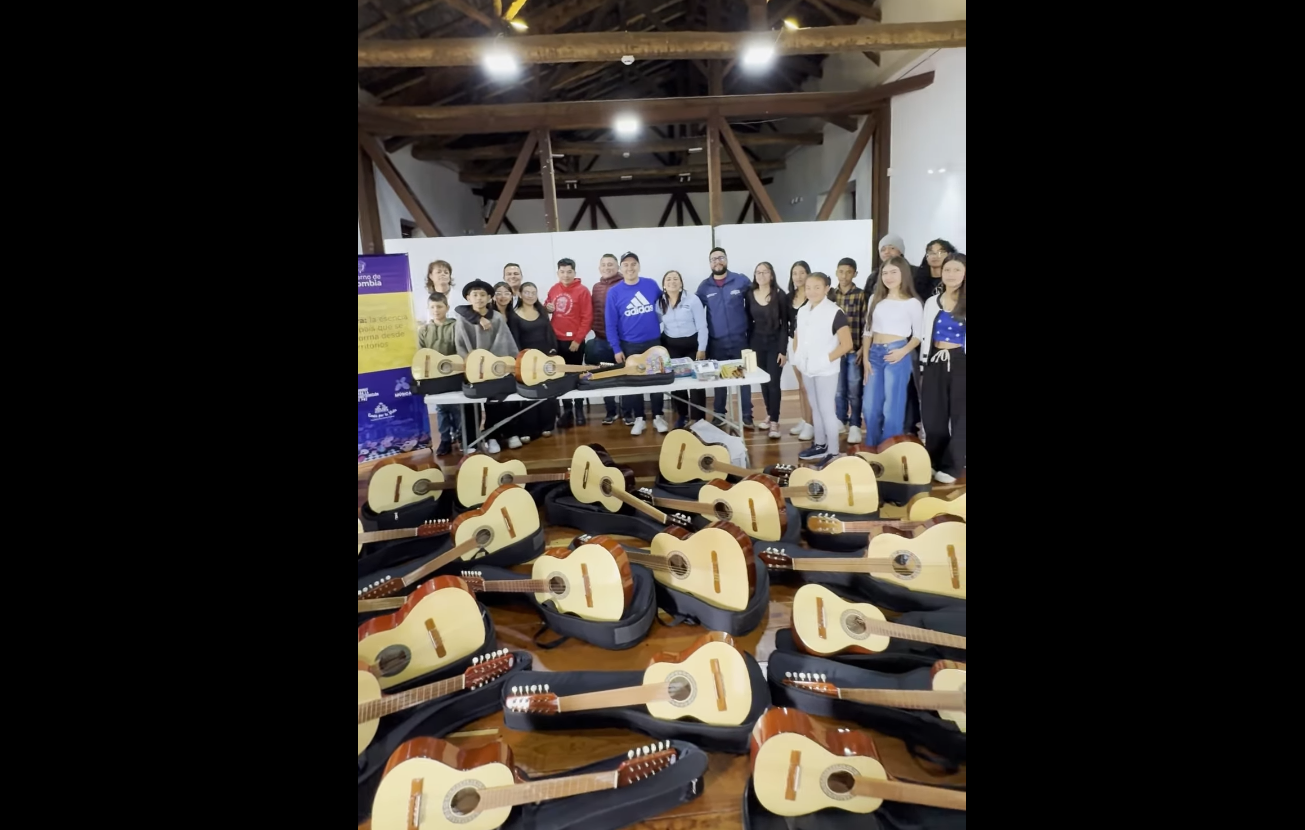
(799, 768)
(947, 697)
(932, 563)
(595, 479)
(593, 581)
(428, 364)
(923, 506)
(429, 784)
(845, 484)
(755, 504)
(651, 362)
(393, 486)
(484, 365)
(435, 527)
(901, 459)
(824, 623)
(507, 516)
(685, 457)
(479, 475)
(714, 564)
(534, 367)
(830, 524)
(372, 705)
(437, 625)
(708, 682)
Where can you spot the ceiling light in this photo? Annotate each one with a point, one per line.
(626, 178)
(627, 125)
(759, 55)
(501, 64)
(519, 25)
(695, 149)
(930, 172)
(791, 24)
(942, 169)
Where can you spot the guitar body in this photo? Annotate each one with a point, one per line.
(933, 562)
(369, 689)
(825, 777)
(438, 625)
(847, 485)
(394, 485)
(594, 475)
(596, 584)
(533, 367)
(949, 676)
(680, 460)
(816, 607)
(360, 530)
(696, 671)
(923, 507)
(444, 775)
(507, 516)
(901, 459)
(651, 362)
(479, 475)
(483, 365)
(755, 504)
(429, 364)
(715, 564)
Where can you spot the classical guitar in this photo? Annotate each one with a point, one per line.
(755, 504)
(393, 485)
(685, 457)
(714, 564)
(947, 697)
(824, 623)
(923, 506)
(372, 705)
(595, 479)
(933, 562)
(708, 681)
(484, 365)
(845, 484)
(435, 527)
(534, 367)
(479, 475)
(429, 784)
(902, 459)
(428, 364)
(508, 515)
(593, 581)
(830, 524)
(438, 624)
(799, 768)
(651, 362)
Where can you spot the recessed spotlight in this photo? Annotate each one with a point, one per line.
(626, 178)
(519, 25)
(501, 64)
(695, 149)
(759, 55)
(625, 155)
(627, 125)
(791, 24)
(942, 169)
(627, 59)
(930, 172)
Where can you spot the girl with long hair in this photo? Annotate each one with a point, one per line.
(942, 354)
(893, 331)
(821, 339)
(684, 334)
(533, 329)
(769, 311)
(501, 303)
(797, 294)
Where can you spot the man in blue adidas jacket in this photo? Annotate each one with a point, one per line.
(633, 328)
(725, 296)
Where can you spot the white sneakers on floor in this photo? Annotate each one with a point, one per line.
(842, 429)
(943, 478)
(491, 446)
(774, 431)
(659, 423)
(638, 427)
(854, 435)
(798, 427)
(514, 443)
(808, 432)
(762, 426)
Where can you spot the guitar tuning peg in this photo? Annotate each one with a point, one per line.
(788, 674)
(546, 687)
(475, 660)
(822, 678)
(515, 689)
(630, 755)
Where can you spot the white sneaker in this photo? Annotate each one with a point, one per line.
(854, 435)
(762, 426)
(798, 427)
(808, 432)
(638, 427)
(514, 443)
(525, 439)
(943, 478)
(473, 450)
(842, 429)
(660, 423)
(491, 446)
(774, 431)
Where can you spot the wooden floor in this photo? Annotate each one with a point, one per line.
(718, 807)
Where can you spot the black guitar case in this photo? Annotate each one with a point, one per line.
(664, 379)
(901, 655)
(562, 509)
(733, 739)
(559, 385)
(493, 390)
(410, 515)
(438, 386)
(857, 587)
(899, 493)
(891, 815)
(431, 720)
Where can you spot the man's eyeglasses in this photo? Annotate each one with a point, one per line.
(718, 259)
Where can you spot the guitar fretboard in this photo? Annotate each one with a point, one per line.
(388, 535)
(631, 696)
(918, 635)
(514, 586)
(909, 793)
(899, 699)
(389, 704)
(547, 790)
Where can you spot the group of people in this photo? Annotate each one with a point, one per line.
(893, 352)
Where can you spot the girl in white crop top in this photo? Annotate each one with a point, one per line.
(893, 331)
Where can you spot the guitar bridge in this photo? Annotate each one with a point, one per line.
(715, 572)
(720, 685)
(794, 777)
(956, 567)
(435, 639)
(484, 482)
(507, 520)
(589, 594)
(847, 480)
(414, 804)
(820, 617)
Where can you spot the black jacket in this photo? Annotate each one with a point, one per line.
(787, 315)
(925, 285)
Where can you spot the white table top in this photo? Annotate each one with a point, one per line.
(680, 384)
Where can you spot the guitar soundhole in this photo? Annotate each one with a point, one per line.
(557, 586)
(393, 660)
(461, 805)
(878, 468)
(498, 370)
(816, 491)
(705, 463)
(839, 782)
(444, 367)
(679, 565)
(723, 511)
(679, 686)
(506, 478)
(549, 370)
(854, 625)
(421, 487)
(606, 487)
(906, 565)
(484, 536)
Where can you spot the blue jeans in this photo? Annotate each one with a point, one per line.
(885, 393)
(450, 418)
(849, 390)
(597, 351)
(720, 348)
(633, 404)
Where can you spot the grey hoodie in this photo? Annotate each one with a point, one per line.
(469, 335)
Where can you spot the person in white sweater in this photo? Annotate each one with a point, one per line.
(942, 388)
(820, 339)
(892, 329)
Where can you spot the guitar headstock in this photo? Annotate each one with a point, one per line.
(644, 493)
(487, 668)
(679, 520)
(776, 560)
(435, 527)
(475, 581)
(781, 472)
(645, 761)
(824, 523)
(811, 682)
(533, 700)
(387, 587)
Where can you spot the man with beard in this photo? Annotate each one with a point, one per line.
(725, 297)
(598, 350)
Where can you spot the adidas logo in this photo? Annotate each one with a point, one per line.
(638, 305)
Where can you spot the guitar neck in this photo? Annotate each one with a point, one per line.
(741, 472)
(534, 791)
(613, 373)
(536, 477)
(847, 565)
(909, 793)
(879, 525)
(680, 504)
(918, 635)
(387, 535)
(641, 505)
(631, 696)
(386, 604)
(515, 586)
(898, 699)
(451, 555)
(389, 704)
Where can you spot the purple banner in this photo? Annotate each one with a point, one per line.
(391, 416)
(384, 274)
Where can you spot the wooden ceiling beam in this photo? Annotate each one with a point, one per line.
(870, 11)
(614, 189)
(406, 14)
(433, 152)
(619, 174)
(848, 168)
(397, 183)
(579, 115)
(581, 47)
(749, 171)
(494, 24)
(510, 187)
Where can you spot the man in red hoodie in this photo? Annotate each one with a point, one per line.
(599, 350)
(573, 313)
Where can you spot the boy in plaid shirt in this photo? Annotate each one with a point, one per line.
(854, 303)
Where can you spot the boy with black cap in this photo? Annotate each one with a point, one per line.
(479, 326)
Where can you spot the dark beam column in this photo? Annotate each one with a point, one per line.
(510, 187)
(666, 214)
(377, 153)
(744, 165)
(849, 165)
(713, 173)
(881, 152)
(547, 181)
(369, 215)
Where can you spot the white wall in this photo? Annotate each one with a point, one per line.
(449, 202)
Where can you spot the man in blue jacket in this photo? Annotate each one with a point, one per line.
(725, 296)
(630, 315)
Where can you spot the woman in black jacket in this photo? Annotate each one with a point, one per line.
(532, 329)
(928, 277)
(769, 313)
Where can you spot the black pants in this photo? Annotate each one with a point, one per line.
(633, 404)
(686, 347)
(596, 351)
(768, 361)
(573, 358)
(942, 402)
(495, 412)
(913, 396)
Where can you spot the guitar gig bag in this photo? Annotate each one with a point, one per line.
(438, 386)
(837, 541)
(493, 390)
(431, 720)
(663, 379)
(686, 608)
(792, 529)
(560, 385)
(858, 587)
(409, 515)
(613, 636)
(917, 727)
(563, 509)
(901, 655)
(732, 739)
(891, 815)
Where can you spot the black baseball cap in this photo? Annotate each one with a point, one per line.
(629, 255)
